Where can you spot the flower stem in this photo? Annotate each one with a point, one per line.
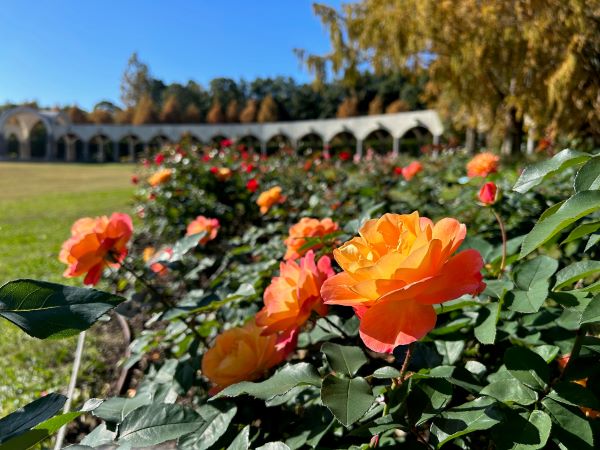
(406, 361)
(503, 234)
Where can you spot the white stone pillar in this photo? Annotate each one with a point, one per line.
(263, 147)
(25, 149)
(531, 139)
(436, 139)
(395, 146)
(359, 148)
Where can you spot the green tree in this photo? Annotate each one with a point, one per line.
(145, 111)
(269, 110)
(171, 110)
(135, 82)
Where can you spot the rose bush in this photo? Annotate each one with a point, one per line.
(350, 307)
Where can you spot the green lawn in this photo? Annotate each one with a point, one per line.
(38, 204)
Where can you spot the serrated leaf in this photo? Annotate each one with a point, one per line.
(450, 350)
(242, 440)
(479, 414)
(30, 415)
(115, 409)
(576, 207)
(591, 313)
(529, 301)
(536, 173)
(348, 399)
(528, 367)
(428, 399)
(485, 327)
(510, 391)
(288, 377)
(208, 434)
(157, 423)
(588, 177)
(99, 436)
(522, 431)
(49, 310)
(576, 271)
(344, 359)
(386, 372)
(571, 428)
(582, 230)
(531, 272)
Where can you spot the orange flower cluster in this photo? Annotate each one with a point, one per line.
(396, 270)
(242, 354)
(294, 294)
(269, 198)
(160, 177)
(411, 170)
(482, 165)
(307, 227)
(200, 224)
(96, 243)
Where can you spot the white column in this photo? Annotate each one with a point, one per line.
(25, 149)
(359, 147)
(395, 146)
(436, 139)
(531, 139)
(263, 147)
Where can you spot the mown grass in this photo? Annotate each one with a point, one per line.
(38, 204)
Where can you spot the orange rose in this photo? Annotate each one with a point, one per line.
(294, 294)
(307, 227)
(160, 177)
(393, 274)
(200, 224)
(411, 170)
(269, 198)
(96, 243)
(482, 165)
(242, 354)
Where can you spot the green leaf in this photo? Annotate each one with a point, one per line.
(344, 359)
(288, 377)
(531, 272)
(485, 327)
(528, 301)
(30, 415)
(497, 288)
(510, 391)
(217, 421)
(592, 241)
(348, 399)
(582, 230)
(479, 414)
(428, 399)
(528, 367)
(157, 423)
(273, 446)
(525, 431)
(184, 245)
(576, 271)
(40, 432)
(450, 350)
(571, 428)
(536, 173)
(591, 313)
(386, 372)
(574, 394)
(576, 207)
(115, 409)
(99, 436)
(242, 440)
(588, 177)
(49, 310)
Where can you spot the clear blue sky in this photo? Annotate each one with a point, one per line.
(74, 51)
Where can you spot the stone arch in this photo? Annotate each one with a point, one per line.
(310, 142)
(343, 141)
(70, 148)
(100, 148)
(413, 139)
(250, 142)
(131, 148)
(380, 140)
(278, 142)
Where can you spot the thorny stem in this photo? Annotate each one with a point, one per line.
(406, 361)
(503, 234)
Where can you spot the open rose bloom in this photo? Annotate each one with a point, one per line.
(411, 170)
(96, 243)
(307, 227)
(294, 294)
(396, 270)
(269, 198)
(242, 354)
(160, 177)
(482, 165)
(200, 224)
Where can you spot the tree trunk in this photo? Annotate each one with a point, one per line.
(470, 140)
(513, 136)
